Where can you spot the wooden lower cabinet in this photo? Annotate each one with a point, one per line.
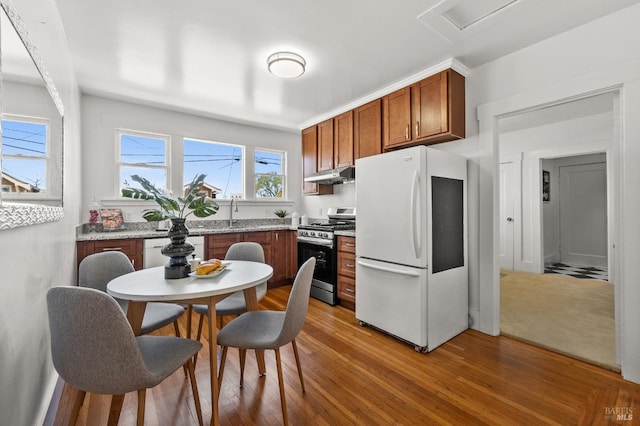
(132, 247)
(277, 246)
(347, 271)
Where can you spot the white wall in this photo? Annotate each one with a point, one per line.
(101, 117)
(594, 57)
(26, 372)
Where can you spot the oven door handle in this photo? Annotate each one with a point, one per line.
(315, 242)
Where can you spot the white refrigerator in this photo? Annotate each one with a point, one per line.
(411, 245)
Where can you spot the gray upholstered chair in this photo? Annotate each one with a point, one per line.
(94, 350)
(96, 270)
(271, 329)
(234, 304)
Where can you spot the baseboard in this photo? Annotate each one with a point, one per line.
(51, 398)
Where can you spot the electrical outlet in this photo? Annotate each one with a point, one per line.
(127, 216)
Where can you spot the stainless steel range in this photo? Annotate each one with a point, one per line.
(318, 240)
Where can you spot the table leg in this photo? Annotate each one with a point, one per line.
(251, 300)
(213, 360)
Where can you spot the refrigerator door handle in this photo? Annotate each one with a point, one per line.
(415, 186)
(410, 273)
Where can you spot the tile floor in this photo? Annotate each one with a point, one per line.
(589, 272)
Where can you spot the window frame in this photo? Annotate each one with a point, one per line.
(167, 163)
(50, 188)
(285, 185)
(243, 163)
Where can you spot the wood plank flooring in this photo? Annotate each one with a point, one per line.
(358, 376)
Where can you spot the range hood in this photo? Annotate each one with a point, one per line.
(333, 176)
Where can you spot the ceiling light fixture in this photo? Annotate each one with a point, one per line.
(286, 64)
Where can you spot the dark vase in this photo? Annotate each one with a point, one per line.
(177, 251)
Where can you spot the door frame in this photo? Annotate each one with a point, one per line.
(487, 316)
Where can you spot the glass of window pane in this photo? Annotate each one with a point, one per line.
(269, 166)
(158, 177)
(24, 156)
(222, 163)
(24, 175)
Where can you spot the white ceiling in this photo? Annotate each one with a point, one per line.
(209, 57)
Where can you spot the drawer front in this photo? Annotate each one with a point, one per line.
(347, 288)
(347, 264)
(262, 238)
(347, 244)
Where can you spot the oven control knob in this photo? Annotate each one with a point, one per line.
(312, 234)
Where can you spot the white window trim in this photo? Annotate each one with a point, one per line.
(53, 184)
(167, 150)
(285, 182)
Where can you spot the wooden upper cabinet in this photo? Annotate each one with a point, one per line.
(343, 140)
(367, 134)
(310, 162)
(325, 145)
(436, 112)
(396, 117)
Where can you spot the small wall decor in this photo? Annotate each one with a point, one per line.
(112, 219)
(546, 186)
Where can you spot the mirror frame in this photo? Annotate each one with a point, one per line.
(13, 215)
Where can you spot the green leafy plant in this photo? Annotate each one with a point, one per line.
(281, 213)
(193, 202)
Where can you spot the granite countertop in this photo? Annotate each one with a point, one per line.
(147, 230)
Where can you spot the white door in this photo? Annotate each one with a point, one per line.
(507, 188)
(583, 214)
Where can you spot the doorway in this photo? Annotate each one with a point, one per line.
(566, 219)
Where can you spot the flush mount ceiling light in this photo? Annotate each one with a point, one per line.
(286, 64)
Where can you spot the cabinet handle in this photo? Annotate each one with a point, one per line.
(417, 128)
(133, 262)
(406, 133)
(349, 244)
(348, 290)
(112, 249)
(349, 265)
(276, 236)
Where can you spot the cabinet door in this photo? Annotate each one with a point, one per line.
(343, 140)
(396, 110)
(367, 134)
(325, 145)
(430, 106)
(310, 162)
(216, 245)
(281, 257)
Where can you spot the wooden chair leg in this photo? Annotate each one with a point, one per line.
(194, 389)
(115, 409)
(283, 401)
(200, 322)
(223, 360)
(295, 352)
(220, 322)
(176, 328)
(243, 357)
(142, 395)
(77, 404)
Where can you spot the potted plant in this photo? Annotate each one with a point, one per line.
(282, 214)
(177, 210)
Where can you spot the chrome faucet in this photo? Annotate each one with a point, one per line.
(231, 211)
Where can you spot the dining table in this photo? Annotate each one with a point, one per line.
(150, 285)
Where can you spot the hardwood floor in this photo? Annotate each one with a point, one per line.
(356, 375)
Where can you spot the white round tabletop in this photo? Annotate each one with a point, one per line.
(150, 284)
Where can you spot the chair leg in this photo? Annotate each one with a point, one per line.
(283, 400)
(115, 409)
(194, 389)
(243, 357)
(77, 404)
(223, 360)
(176, 328)
(200, 322)
(295, 352)
(220, 322)
(142, 394)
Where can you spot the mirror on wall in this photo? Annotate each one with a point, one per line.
(31, 150)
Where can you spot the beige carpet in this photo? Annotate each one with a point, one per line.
(564, 314)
